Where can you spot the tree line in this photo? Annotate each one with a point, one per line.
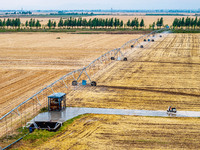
(159, 23)
(10, 22)
(135, 23)
(33, 23)
(99, 23)
(17, 23)
(81, 23)
(188, 22)
(92, 23)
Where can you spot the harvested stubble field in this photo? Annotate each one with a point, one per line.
(30, 61)
(124, 132)
(164, 73)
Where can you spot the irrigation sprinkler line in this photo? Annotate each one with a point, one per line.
(38, 100)
(88, 76)
(21, 120)
(6, 128)
(65, 84)
(14, 142)
(71, 73)
(52, 89)
(11, 123)
(80, 75)
(17, 111)
(116, 51)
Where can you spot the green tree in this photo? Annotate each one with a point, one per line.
(121, 23)
(111, 22)
(94, 22)
(161, 21)
(60, 23)
(128, 23)
(106, 22)
(79, 22)
(17, 22)
(90, 23)
(8, 22)
(188, 22)
(136, 22)
(115, 23)
(1, 23)
(4, 22)
(26, 23)
(31, 23)
(12, 23)
(103, 22)
(66, 22)
(54, 24)
(175, 23)
(37, 24)
(195, 22)
(133, 23)
(49, 24)
(153, 25)
(183, 22)
(142, 23)
(70, 22)
(198, 23)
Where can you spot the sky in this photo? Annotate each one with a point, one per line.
(97, 4)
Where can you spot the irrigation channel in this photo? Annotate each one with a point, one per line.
(71, 112)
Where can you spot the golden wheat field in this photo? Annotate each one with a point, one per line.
(166, 72)
(124, 132)
(31, 61)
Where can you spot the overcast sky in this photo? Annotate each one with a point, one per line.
(99, 4)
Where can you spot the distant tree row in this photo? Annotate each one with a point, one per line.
(159, 23)
(33, 23)
(96, 22)
(135, 23)
(10, 22)
(92, 23)
(17, 23)
(188, 22)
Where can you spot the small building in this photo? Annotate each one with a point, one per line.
(56, 101)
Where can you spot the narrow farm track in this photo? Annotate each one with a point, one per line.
(31, 61)
(164, 73)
